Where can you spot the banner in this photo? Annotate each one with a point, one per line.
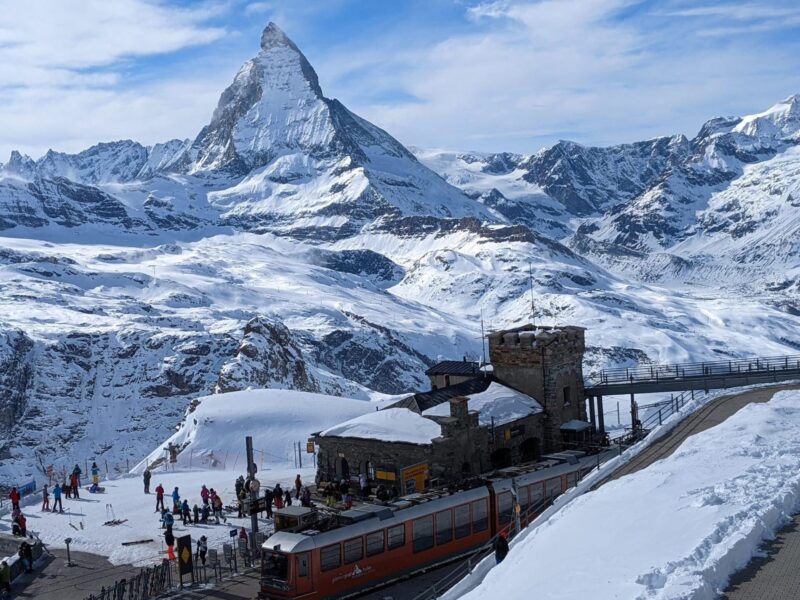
(185, 565)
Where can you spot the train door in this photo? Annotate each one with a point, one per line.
(302, 569)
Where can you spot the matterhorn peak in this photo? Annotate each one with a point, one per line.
(274, 36)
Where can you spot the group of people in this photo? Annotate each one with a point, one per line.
(341, 492)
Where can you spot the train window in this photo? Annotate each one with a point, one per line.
(553, 487)
(422, 533)
(572, 479)
(480, 516)
(505, 507)
(330, 557)
(523, 498)
(536, 493)
(444, 527)
(397, 536)
(302, 564)
(375, 542)
(274, 566)
(353, 550)
(462, 521)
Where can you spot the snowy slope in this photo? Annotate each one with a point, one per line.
(690, 520)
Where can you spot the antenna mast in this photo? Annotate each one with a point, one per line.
(530, 282)
(483, 341)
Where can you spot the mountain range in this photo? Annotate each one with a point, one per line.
(294, 244)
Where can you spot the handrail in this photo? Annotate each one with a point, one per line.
(672, 372)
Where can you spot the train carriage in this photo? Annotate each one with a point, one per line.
(396, 541)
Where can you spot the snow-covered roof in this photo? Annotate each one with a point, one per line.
(389, 425)
(498, 401)
(575, 425)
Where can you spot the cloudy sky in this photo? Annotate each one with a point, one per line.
(459, 74)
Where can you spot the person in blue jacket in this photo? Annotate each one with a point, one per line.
(176, 501)
(167, 520)
(57, 498)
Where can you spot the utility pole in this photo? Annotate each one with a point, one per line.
(483, 341)
(533, 305)
(254, 487)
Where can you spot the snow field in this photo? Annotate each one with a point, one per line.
(125, 499)
(677, 529)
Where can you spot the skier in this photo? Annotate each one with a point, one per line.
(501, 547)
(75, 482)
(239, 485)
(204, 494)
(95, 473)
(14, 496)
(305, 498)
(169, 540)
(66, 488)
(277, 494)
(287, 498)
(176, 501)
(204, 513)
(218, 509)
(45, 498)
(146, 477)
(240, 498)
(159, 497)
(186, 513)
(298, 485)
(196, 512)
(202, 548)
(167, 520)
(57, 499)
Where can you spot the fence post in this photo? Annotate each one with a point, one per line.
(659, 422)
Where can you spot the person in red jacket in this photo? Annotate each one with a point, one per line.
(243, 534)
(75, 483)
(159, 498)
(14, 495)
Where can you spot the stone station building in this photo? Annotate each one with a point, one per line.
(528, 402)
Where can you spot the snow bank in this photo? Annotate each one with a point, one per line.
(213, 435)
(498, 402)
(391, 425)
(680, 527)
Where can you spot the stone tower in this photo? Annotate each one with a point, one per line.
(547, 364)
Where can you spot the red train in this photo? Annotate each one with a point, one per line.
(394, 541)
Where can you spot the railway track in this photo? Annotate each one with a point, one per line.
(713, 413)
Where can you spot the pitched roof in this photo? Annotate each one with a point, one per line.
(425, 400)
(454, 367)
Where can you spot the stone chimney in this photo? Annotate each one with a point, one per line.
(459, 408)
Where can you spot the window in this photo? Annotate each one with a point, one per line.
(480, 518)
(462, 521)
(444, 527)
(447, 380)
(302, 564)
(505, 506)
(422, 533)
(353, 550)
(397, 536)
(572, 479)
(553, 487)
(330, 557)
(536, 493)
(567, 396)
(522, 498)
(375, 542)
(274, 565)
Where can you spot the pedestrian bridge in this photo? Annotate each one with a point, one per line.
(686, 377)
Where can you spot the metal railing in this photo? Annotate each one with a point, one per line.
(657, 373)
(660, 411)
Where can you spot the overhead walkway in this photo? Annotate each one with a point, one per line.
(685, 377)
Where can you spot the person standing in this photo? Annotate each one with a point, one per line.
(287, 498)
(196, 512)
(45, 498)
(268, 501)
(243, 534)
(14, 497)
(26, 556)
(204, 493)
(146, 478)
(298, 485)
(77, 472)
(202, 548)
(159, 497)
(167, 520)
(176, 501)
(66, 488)
(75, 483)
(186, 513)
(169, 540)
(501, 547)
(5, 577)
(57, 499)
(95, 474)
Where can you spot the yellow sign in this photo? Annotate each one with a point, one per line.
(186, 555)
(414, 478)
(310, 447)
(386, 475)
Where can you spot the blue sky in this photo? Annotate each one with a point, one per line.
(459, 74)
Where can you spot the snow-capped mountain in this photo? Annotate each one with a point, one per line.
(292, 244)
